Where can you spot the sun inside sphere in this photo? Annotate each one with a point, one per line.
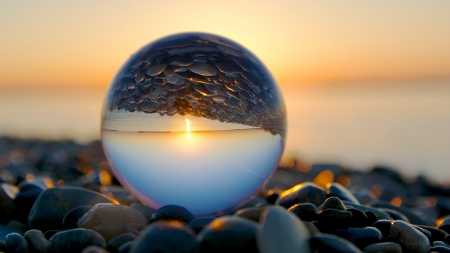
(194, 120)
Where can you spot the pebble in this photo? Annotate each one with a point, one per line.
(198, 224)
(304, 211)
(333, 203)
(335, 218)
(229, 234)
(94, 249)
(302, 193)
(173, 212)
(361, 237)
(36, 240)
(282, 231)
(251, 213)
(359, 218)
(74, 240)
(412, 217)
(436, 234)
(327, 243)
(166, 237)
(440, 249)
(203, 69)
(70, 220)
(114, 244)
(379, 214)
(110, 220)
(52, 205)
(384, 226)
(337, 190)
(156, 69)
(16, 243)
(409, 237)
(146, 211)
(386, 247)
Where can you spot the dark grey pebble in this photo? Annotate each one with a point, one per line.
(74, 240)
(361, 237)
(198, 224)
(302, 193)
(36, 240)
(359, 218)
(337, 190)
(229, 234)
(110, 220)
(49, 233)
(409, 237)
(413, 217)
(384, 226)
(440, 249)
(251, 213)
(166, 237)
(335, 218)
(436, 234)
(173, 212)
(332, 202)
(114, 244)
(386, 247)
(304, 211)
(16, 243)
(380, 214)
(424, 232)
(372, 217)
(134, 228)
(440, 243)
(52, 205)
(327, 243)
(71, 218)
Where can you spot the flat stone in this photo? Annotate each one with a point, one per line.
(228, 68)
(302, 193)
(165, 237)
(110, 220)
(384, 226)
(386, 247)
(156, 69)
(52, 205)
(229, 234)
(36, 240)
(282, 231)
(325, 243)
(74, 240)
(409, 237)
(337, 190)
(203, 69)
(173, 212)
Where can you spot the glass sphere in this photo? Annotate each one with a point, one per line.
(194, 120)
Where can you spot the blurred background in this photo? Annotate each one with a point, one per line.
(365, 82)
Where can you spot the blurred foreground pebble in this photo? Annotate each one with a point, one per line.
(63, 197)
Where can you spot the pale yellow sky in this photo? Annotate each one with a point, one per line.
(83, 42)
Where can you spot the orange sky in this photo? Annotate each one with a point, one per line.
(83, 43)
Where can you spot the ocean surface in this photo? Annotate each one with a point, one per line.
(405, 125)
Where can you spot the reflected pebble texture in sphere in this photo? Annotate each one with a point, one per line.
(194, 120)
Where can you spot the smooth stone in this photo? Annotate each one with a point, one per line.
(16, 243)
(440, 243)
(228, 68)
(74, 240)
(413, 217)
(302, 193)
(203, 69)
(229, 234)
(359, 218)
(409, 237)
(71, 218)
(361, 237)
(304, 211)
(424, 232)
(115, 243)
(110, 220)
(436, 234)
(49, 233)
(395, 215)
(372, 217)
(198, 224)
(36, 240)
(146, 211)
(327, 243)
(333, 203)
(156, 69)
(165, 237)
(282, 231)
(384, 226)
(386, 247)
(380, 214)
(135, 228)
(94, 249)
(251, 213)
(173, 212)
(440, 249)
(52, 205)
(334, 217)
(337, 190)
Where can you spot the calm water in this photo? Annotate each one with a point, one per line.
(213, 171)
(403, 125)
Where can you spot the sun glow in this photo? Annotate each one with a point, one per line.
(188, 129)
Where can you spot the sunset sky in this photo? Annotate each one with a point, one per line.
(83, 43)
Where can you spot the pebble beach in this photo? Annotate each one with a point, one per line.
(63, 197)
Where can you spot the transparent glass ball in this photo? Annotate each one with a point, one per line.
(194, 120)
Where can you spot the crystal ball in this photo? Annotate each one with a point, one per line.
(194, 120)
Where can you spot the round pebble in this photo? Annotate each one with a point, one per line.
(173, 212)
(302, 193)
(409, 237)
(36, 240)
(198, 224)
(16, 243)
(386, 247)
(74, 240)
